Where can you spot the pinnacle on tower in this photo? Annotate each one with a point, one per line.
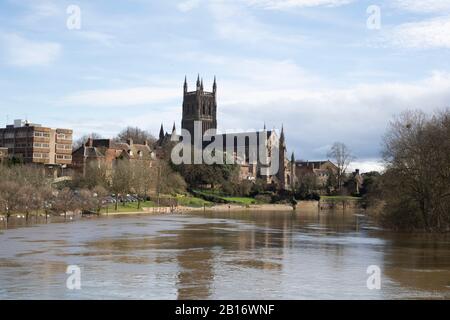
(174, 129)
(214, 85)
(198, 81)
(185, 84)
(161, 132)
(282, 134)
(292, 157)
(201, 85)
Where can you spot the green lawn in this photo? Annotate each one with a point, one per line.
(245, 201)
(241, 200)
(128, 207)
(190, 201)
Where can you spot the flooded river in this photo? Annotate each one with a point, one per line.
(237, 255)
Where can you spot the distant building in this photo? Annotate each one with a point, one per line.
(320, 169)
(106, 152)
(3, 155)
(201, 105)
(355, 182)
(32, 143)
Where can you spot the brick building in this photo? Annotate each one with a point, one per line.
(320, 169)
(105, 152)
(32, 143)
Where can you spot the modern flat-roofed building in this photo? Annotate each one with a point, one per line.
(32, 143)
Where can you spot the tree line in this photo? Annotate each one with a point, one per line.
(414, 191)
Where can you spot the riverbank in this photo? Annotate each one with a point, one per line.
(302, 205)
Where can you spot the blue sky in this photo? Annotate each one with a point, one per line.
(313, 65)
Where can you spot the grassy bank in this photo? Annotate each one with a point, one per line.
(217, 197)
(128, 207)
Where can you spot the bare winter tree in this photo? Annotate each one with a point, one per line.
(9, 197)
(65, 201)
(416, 185)
(136, 134)
(82, 140)
(144, 179)
(342, 157)
(121, 179)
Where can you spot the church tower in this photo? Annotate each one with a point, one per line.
(199, 105)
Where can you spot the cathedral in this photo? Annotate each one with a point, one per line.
(201, 106)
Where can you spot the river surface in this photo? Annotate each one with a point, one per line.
(237, 255)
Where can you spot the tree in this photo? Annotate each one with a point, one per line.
(138, 135)
(121, 179)
(96, 174)
(65, 201)
(416, 184)
(306, 185)
(82, 140)
(168, 180)
(9, 197)
(342, 157)
(143, 179)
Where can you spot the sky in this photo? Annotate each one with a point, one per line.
(327, 70)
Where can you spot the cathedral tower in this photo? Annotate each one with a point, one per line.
(199, 105)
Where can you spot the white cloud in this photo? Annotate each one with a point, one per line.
(315, 117)
(22, 52)
(188, 5)
(121, 97)
(366, 165)
(430, 33)
(421, 6)
(288, 4)
(235, 23)
(98, 37)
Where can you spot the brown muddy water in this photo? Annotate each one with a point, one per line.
(238, 255)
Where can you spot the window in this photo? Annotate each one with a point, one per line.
(41, 145)
(63, 157)
(64, 146)
(42, 134)
(64, 136)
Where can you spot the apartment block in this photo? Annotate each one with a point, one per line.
(33, 143)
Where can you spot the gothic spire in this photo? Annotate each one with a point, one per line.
(292, 157)
(174, 129)
(185, 84)
(161, 132)
(214, 85)
(198, 81)
(201, 85)
(282, 133)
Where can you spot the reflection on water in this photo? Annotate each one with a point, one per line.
(239, 255)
